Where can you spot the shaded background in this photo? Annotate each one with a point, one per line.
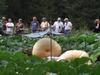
(81, 12)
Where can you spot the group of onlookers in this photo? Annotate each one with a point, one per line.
(64, 27)
(8, 27)
(58, 26)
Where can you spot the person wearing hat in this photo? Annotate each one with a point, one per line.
(19, 26)
(58, 25)
(44, 24)
(67, 26)
(4, 21)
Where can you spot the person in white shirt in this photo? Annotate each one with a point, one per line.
(58, 25)
(67, 26)
(9, 27)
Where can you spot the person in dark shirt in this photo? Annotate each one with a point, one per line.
(3, 22)
(1, 30)
(34, 24)
(97, 26)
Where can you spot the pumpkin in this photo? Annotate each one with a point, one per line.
(46, 47)
(73, 54)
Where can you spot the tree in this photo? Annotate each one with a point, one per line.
(80, 12)
(2, 7)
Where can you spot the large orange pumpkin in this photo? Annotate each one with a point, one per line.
(46, 47)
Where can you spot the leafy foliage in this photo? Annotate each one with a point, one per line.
(14, 62)
(82, 41)
(81, 12)
(2, 7)
(19, 63)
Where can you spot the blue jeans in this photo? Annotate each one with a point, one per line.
(66, 32)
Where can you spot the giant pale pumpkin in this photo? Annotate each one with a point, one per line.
(46, 47)
(72, 54)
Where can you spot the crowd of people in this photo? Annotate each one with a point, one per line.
(58, 26)
(8, 27)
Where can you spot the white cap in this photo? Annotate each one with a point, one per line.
(59, 19)
(66, 19)
(44, 18)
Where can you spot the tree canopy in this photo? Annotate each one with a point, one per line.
(84, 11)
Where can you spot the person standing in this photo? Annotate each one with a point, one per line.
(34, 24)
(44, 24)
(19, 27)
(9, 27)
(97, 26)
(67, 26)
(58, 25)
(3, 22)
(1, 27)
